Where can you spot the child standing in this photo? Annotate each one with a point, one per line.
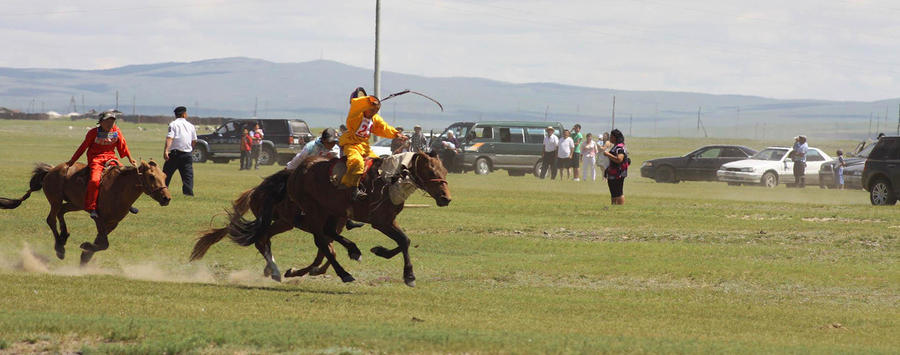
(839, 170)
(246, 142)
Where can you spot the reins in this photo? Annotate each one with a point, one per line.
(143, 186)
(420, 182)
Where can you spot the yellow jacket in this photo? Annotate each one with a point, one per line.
(359, 127)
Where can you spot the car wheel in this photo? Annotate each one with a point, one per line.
(482, 166)
(769, 180)
(267, 156)
(537, 169)
(199, 155)
(881, 193)
(665, 174)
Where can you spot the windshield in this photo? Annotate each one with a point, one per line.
(770, 154)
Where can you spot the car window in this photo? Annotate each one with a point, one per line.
(535, 135)
(886, 149)
(710, 153)
(770, 154)
(483, 133)
(813, 155)
(299, 127)
(512, 135)
(729, 152)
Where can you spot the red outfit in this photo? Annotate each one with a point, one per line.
(101, 147)
(246, 140)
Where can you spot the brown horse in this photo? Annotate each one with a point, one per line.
(64, 186)
(267, 202)
(326, 204)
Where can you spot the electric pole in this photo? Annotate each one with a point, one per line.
(613, 114)
(377, 45)
(117, 100)
(256, 105)
(630, 117)
(133, 101)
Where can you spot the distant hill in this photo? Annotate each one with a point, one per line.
(318, 91)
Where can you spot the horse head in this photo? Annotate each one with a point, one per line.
(153, 181)
(429, 174)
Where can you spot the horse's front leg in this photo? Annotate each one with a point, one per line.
(314, 268)
(60, 245)
(101, 242)
(394, 232)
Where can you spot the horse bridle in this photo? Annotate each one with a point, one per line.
(421, 182)
(144, 186)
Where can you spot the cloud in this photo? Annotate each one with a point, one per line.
(799, 49)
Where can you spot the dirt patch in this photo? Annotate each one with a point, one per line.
(840, 219)
(49, 344)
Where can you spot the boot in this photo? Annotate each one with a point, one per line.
(357, 195)
(133, 210)
(94, 214)
(351, 224)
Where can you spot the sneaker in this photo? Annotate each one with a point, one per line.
(133, 210)
(94, 214)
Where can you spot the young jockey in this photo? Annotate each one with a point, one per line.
(362, 121)
(101, 144)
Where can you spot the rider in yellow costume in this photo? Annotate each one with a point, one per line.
(362, 121)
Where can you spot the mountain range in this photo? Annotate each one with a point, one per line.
(318, 91)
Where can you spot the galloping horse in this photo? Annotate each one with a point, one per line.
(64, 186)
(267, 202)
(326, 205)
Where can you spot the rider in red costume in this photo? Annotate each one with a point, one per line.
(101, 144)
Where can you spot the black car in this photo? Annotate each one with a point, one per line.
(881, 175)
(283, 138)
(853, 167)
(699, 165)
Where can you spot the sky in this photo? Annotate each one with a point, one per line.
(797, 49)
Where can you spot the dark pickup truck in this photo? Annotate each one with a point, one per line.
(283, 138)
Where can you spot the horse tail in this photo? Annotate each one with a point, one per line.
(240, 206)
(37, 182)
(269, 193)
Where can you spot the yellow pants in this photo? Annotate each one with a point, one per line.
(356, 160)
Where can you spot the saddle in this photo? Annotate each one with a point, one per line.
(339, 168)
(81, 176)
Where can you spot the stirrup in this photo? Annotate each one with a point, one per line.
(357, 194)
(94, 214)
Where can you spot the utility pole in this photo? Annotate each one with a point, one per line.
(117, 99)
(547, 111)
(613, 114)
(256, 105)
(133, 101)
(82, 103)
(630, 117)
(700, 124)
(869, 135)
(377, 45)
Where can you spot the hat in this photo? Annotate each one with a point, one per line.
(328, 136)
(114, 114)
(801, 137)
(550, 128)
(180, 109)
(417, 127)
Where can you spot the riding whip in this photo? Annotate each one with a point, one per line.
(407, 91)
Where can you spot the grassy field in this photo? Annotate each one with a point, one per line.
(513, 265)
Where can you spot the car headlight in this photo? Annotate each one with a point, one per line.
(746, 170)
(648, 164)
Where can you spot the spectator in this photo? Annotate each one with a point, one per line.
(246, 143)
(603, 145)
(839, 170)
(798, 156)
(577, 138)
(450, 147)
(256, 147)
(399, 145)
(589, 154)
(618, 167)
(551, 144)
(341, 130)
(180, 141)
(564, 155)
(418, 143)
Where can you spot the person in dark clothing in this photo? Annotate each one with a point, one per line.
(618, 167)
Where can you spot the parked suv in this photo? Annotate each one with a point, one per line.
(881, 174)
(283, 138)
(515, 146)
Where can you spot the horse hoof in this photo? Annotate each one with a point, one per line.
(356, 255)
(347, 278)
(276, 277)
(267, 271)
(86, 257)
(87, 246)
(60, 253)
(380, 251)
(410, 283)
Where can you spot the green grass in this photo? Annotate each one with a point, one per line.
(514, 265)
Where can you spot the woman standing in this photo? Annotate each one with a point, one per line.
(101, 144)
(588, 155)
(256, 148)
(618, 167)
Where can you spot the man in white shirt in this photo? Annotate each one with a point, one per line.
(180, 142)
(551, 144)
(564, 155)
